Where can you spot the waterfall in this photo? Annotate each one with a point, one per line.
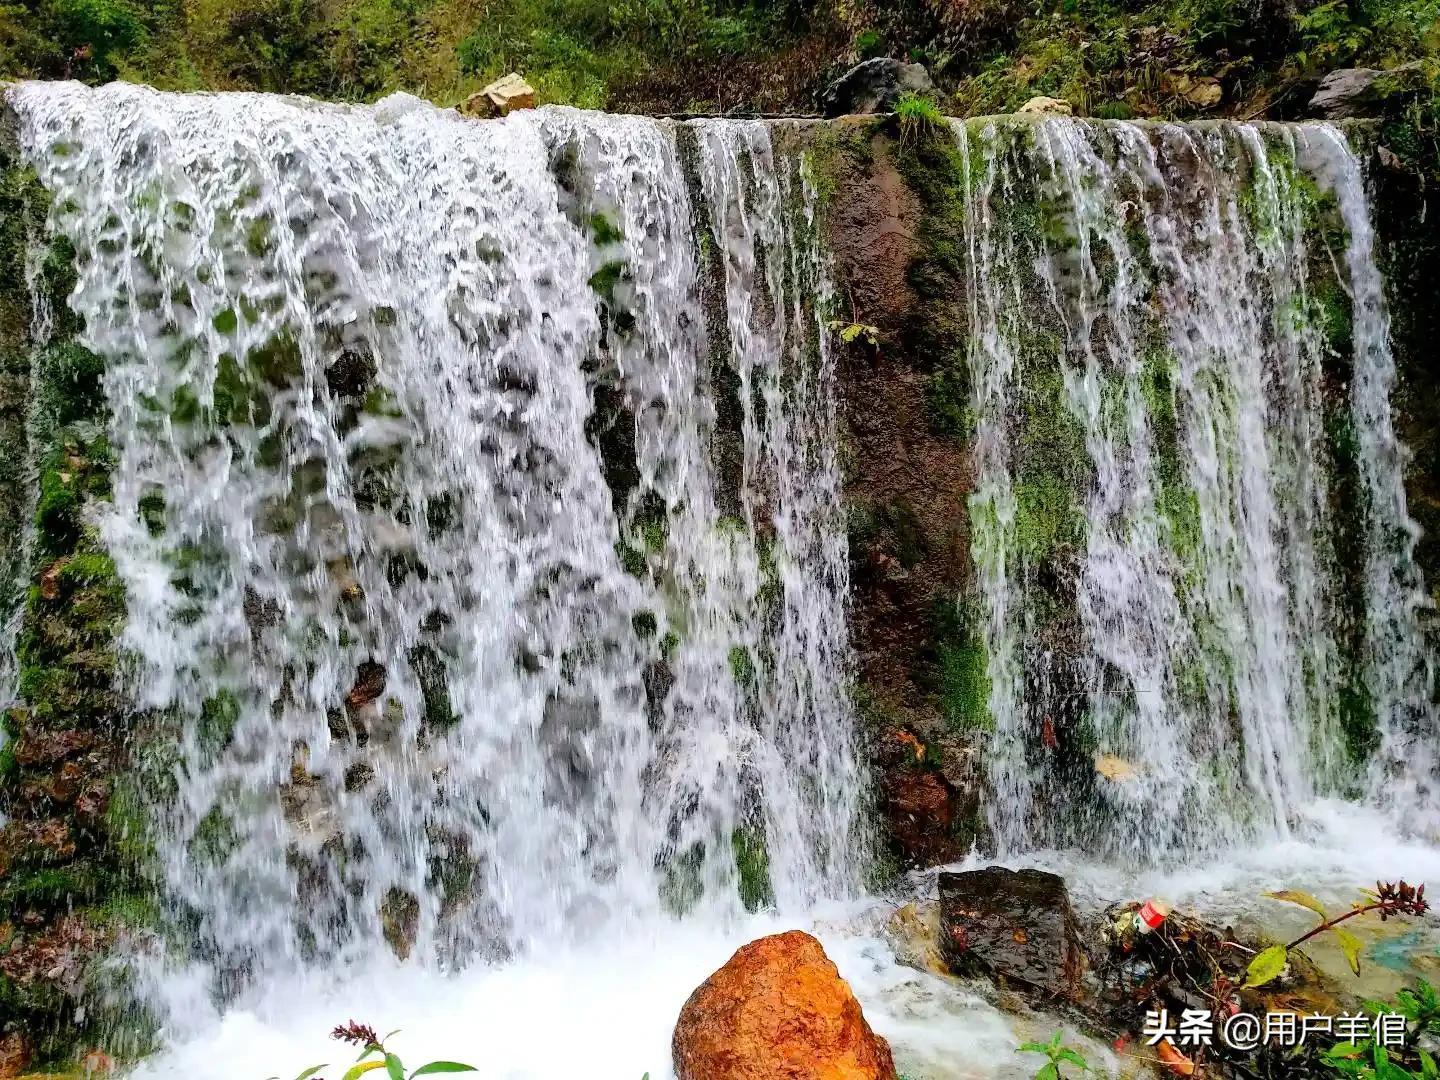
(1181, 378)
(477, 502)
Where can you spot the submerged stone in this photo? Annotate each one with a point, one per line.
(1014, 926)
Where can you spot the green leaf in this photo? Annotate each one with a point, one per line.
(1345, 1051)
(1428, 1071)
(1266, 967)
(1032, 1048)
(363, 1068)
(1073, 1058)
(394, 1068)
(1304, 899)
(1048, 1071)
(309, 1072)
(1350, 945)
(446, 1067)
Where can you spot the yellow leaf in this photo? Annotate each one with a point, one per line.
(1304, 899)
(363, 1067)
(1267, 966)
(1114, 768)
(1350, 945)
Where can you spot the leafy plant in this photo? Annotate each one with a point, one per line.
(1056, 1054)
(374, 1055)
(1368, 1060)
(1388, 899)
(856, 331)
(916, 115)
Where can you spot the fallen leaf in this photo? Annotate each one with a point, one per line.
(911, 741)
(1113, 768)
(1174, 1060)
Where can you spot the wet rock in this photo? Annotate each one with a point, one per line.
(920, 815)
(358, 775)
(1356, 92)
(777, 1008)
(502, 96)
(1014, 926)
(40, 748)
(351, 374)
(15, 1054)
(399, 920)
(369, 685)
(914, 935)
(874, 87)
(1047, 105)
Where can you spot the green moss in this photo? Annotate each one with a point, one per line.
(752, 867)
(219, 714)
(742, 667)
(604, 230)
(1047, 518)
(682, 884)
(644, 623)
(962, 676)
(214, 838)
(430, 673)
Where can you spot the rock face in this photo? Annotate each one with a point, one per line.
(1014, 926)
(778, 1010)
(1349, 93)
(500, 97)
(874, 87)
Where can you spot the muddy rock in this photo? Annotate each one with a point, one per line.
(1016, 927)
(778, 1010)
(875, 86)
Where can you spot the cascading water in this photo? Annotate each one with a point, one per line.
(494, 593)
(1169, 406)
(477, 497)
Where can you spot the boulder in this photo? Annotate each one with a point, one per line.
(1050, 105)
(1348, 93)
(874, 87)
(1016, 927)
(501, 97)
(777, 1010)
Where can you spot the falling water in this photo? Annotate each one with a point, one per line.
(477, 502)
(1158, 384)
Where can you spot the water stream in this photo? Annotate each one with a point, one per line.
(478, 500)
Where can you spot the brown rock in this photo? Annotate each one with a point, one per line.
(369, 684)
(15, 1055)
(921, 816)
(36, 748)
(1014, 926)
(777, 1010)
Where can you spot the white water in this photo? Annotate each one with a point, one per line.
(608, 746)
(1169, 284)
(625, 705)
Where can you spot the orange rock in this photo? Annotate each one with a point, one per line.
(777, 1010)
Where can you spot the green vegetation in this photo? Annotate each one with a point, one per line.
(752, 867)
(1109, 58)
(1057, 1055)
(76, 848)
